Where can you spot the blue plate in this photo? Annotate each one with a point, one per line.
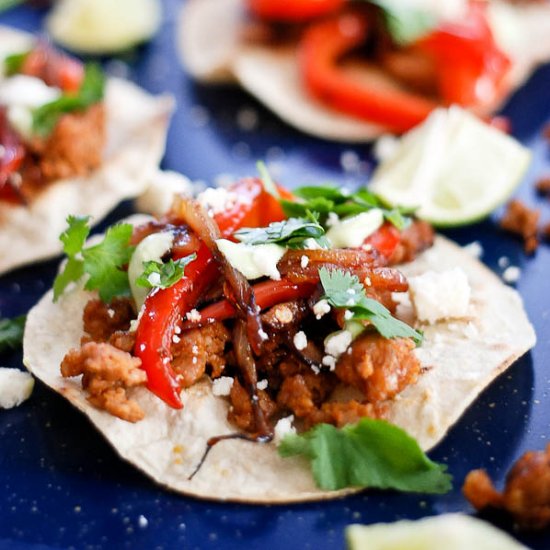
(62, 486)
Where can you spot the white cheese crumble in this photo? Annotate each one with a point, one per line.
(440, 295)
(351, 232)
(511, 274)
(262, 385)
(300, 340)
(474, 249)
(304, 261)
(193, 316)
(503, 262)
(283, 428)
(322, 307)
(338, 342)
(217, 200)
(253, 261)
(329, 361)
(222, 386)
(15, 387)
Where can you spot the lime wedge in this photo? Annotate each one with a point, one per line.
(449, 531)
(103, 26)
(454, 169)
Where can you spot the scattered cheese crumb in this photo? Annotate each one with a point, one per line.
(193, 315)
(282, 428)
(217, 200)
(503, 262)
(511, 274)
(15, 387)
(474, 249)
(440, 295)
(322, 307)
(262, 385)
(222, 386)
(329, 361)
(111, 312)
(338, 342)
(176, 339)
(300, 340)
(263, 334)
(304, 260)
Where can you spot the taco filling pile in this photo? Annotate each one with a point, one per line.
(73, 142)
(254, 323)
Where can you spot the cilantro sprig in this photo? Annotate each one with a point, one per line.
(343, 290)
(103, 263)
(14, 62)
(325, 199)
(370, 453)
(168, 273)
(292, 233)
(406, 24)
(11, 332)
(91, 91)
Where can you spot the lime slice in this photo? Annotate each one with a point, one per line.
(454, 169)
(103, 26)
(449, 531)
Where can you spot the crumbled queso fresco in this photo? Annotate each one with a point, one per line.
(322, 307)
(300, 340)
(222, 386)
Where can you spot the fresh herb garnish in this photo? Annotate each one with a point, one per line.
(267, 180)
(14, 63)
(406, 24)
(91, 91)
(370, 453)
(163, 275)
(11, 332)
(343, 290)
(292, 233)
(326, 199)
(102, 262)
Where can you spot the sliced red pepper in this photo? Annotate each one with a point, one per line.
(471, 69)
(320, 51)
(54, 68)
(385, 240)
(12, 156)
(162, 312)
(293, 11)
(267, 294)
(164, 308)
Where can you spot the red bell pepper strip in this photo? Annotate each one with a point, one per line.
(321, 48)
(471, 69)
(162, 312)
(293, 11)
(267, 294)
(164, 308)
(385, 240)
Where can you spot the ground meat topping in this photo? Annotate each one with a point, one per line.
(526, 495)
(198, 348)
(416, 238)
(379, 367)
(241, 412)
(543, 186)
(523, 221)
(102, 320)
(107, 374)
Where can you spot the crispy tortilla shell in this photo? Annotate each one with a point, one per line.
(461, 358)
(136, 125)
(272, 76)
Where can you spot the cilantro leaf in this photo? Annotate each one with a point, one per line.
(91, 91)
(168, 273)
(292, 232)
(406, 24)
(11, 332)
(343, 290)
(325, 199)
(14, 62)
(103, 261)
(370, 453)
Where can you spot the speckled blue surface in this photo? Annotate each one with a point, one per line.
(62, 486)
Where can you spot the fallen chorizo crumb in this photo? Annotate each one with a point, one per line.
(526, 495)
(545, 232)
(107, 373)
(546, 132)
(543, 186)
(102, 320)
(523, 221)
